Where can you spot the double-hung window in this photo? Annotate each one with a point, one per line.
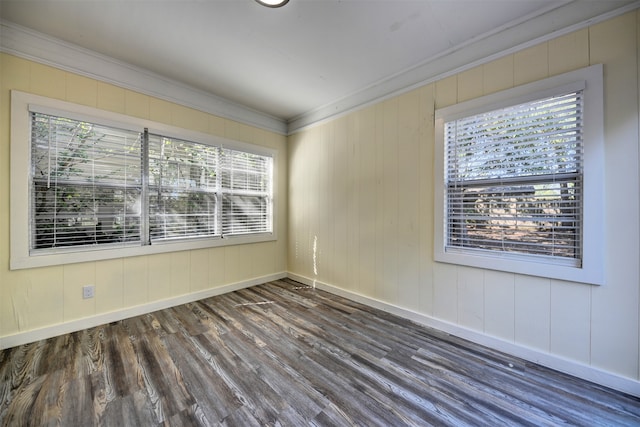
(97, 185)
(519, 184)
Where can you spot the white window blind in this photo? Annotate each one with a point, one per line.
(94, 184)
(514, 180)
(85, 183)
(183, 189)
(246, 192)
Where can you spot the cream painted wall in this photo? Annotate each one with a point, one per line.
(39, 298)
(361, 210)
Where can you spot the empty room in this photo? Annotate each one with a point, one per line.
(320, 212)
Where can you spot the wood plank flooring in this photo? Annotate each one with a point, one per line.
(283, 354)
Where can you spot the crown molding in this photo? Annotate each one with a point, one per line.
(516, 36)
(32, 45)
(556, 21)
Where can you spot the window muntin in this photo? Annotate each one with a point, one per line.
(97, 185)
(514, 180)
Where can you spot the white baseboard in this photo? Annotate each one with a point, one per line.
(113, 316)
(571, 367)
(577, 369)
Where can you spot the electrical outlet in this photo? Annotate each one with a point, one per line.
(88, 291)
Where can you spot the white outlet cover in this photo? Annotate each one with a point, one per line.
(88, 291)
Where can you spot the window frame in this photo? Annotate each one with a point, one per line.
(20, 186)
(591, 270)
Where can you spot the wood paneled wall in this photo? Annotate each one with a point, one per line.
(361, 210)
(40, 298)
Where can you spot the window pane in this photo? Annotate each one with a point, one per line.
(183, 185)
(175, 163)
(82, 215)
(182, 214)
(537, 138)
(246, 185)
(245, 214)
(245, 171)
(537, 219)
(86, 183)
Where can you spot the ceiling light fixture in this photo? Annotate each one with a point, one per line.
(273, 3)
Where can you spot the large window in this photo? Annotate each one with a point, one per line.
(103, 185)
(517, 180)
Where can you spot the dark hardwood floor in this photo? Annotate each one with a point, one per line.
(285, 354)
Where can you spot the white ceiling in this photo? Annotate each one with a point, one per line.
(304, 57)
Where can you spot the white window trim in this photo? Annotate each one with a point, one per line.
(20, 197)
(592, 269)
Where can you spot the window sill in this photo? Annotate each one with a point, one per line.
(98, 253)
(529, 267)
